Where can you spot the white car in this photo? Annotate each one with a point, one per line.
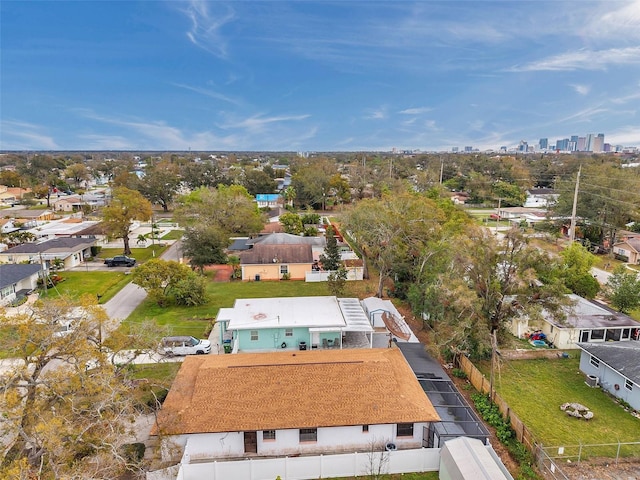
(185, 345)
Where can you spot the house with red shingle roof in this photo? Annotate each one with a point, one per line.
(292, 403)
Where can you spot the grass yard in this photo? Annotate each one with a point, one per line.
(77, 283)
(140, 254)
(173, 235)
(535, 389)
(197, 321)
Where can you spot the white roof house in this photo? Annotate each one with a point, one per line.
(319, 322)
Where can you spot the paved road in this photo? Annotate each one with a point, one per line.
(601, 275)
(128, 299)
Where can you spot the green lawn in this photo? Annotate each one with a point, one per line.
(535, 389)
(77, 283)
(140, 254)
(197, 321)
(173, 235)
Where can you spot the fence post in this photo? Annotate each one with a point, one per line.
(580, 452)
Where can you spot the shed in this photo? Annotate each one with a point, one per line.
(468, 459)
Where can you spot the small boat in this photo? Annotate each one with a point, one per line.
(538, 343)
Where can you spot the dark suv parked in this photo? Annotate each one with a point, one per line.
(120, 261)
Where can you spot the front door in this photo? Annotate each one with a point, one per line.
(250, 442)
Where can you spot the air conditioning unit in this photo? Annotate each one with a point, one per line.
(592, 381)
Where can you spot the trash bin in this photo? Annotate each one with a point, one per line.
(227, 348)
(303, 345)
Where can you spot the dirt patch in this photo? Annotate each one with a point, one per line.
(222, 272)
(601, 469)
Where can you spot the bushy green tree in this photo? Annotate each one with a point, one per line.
(331, 259)
(205, 245)
(623, 289)
(575, 271)
(337, 281)
(126, 206)
(162, 279)
(291, 223)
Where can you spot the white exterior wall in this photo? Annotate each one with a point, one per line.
(220, 445)
(609, 378)
(287, 442)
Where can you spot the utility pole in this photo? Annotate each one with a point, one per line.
(572, 229)
(441, 169)
(498, 215)
(494, 346)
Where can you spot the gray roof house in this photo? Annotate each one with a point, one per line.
(17, 281)
(585, 321)
(72, 251)
(615, 367)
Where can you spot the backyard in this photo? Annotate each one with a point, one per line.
(535, 390)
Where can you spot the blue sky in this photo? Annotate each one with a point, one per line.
(319, 76)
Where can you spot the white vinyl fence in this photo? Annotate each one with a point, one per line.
(323, 466)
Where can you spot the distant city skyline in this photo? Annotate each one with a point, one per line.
(318, 75)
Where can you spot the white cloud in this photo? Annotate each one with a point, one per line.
(376, 114)
(258, 122)
(206, 26)
(581, 89)
(584, 60)
(615, 22)
(415, 111)
(18, 135)
(209, 93)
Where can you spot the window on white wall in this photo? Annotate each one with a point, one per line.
(628, 385)
(308, 434)
(594, 361)
(404, 430)
(268, 435)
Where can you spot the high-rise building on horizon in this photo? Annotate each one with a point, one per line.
(543, 143)
(582, 144)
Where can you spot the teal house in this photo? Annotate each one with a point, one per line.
(294, 323)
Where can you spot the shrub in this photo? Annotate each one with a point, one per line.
(458, 373)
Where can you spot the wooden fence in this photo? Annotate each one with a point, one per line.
(483, 385)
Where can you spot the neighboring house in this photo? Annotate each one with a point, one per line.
(72, 251)
(585, 321)
(270, 200)
(8, 225)
(520, 213)
(290, 404)
(31, 218)
(616, 367)
(65, 227)
(294, 323)
(459, 198)
(628, 250)
(12, 195)
(274, 262)
(541, 198)
(74, 203)
(17, 280)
